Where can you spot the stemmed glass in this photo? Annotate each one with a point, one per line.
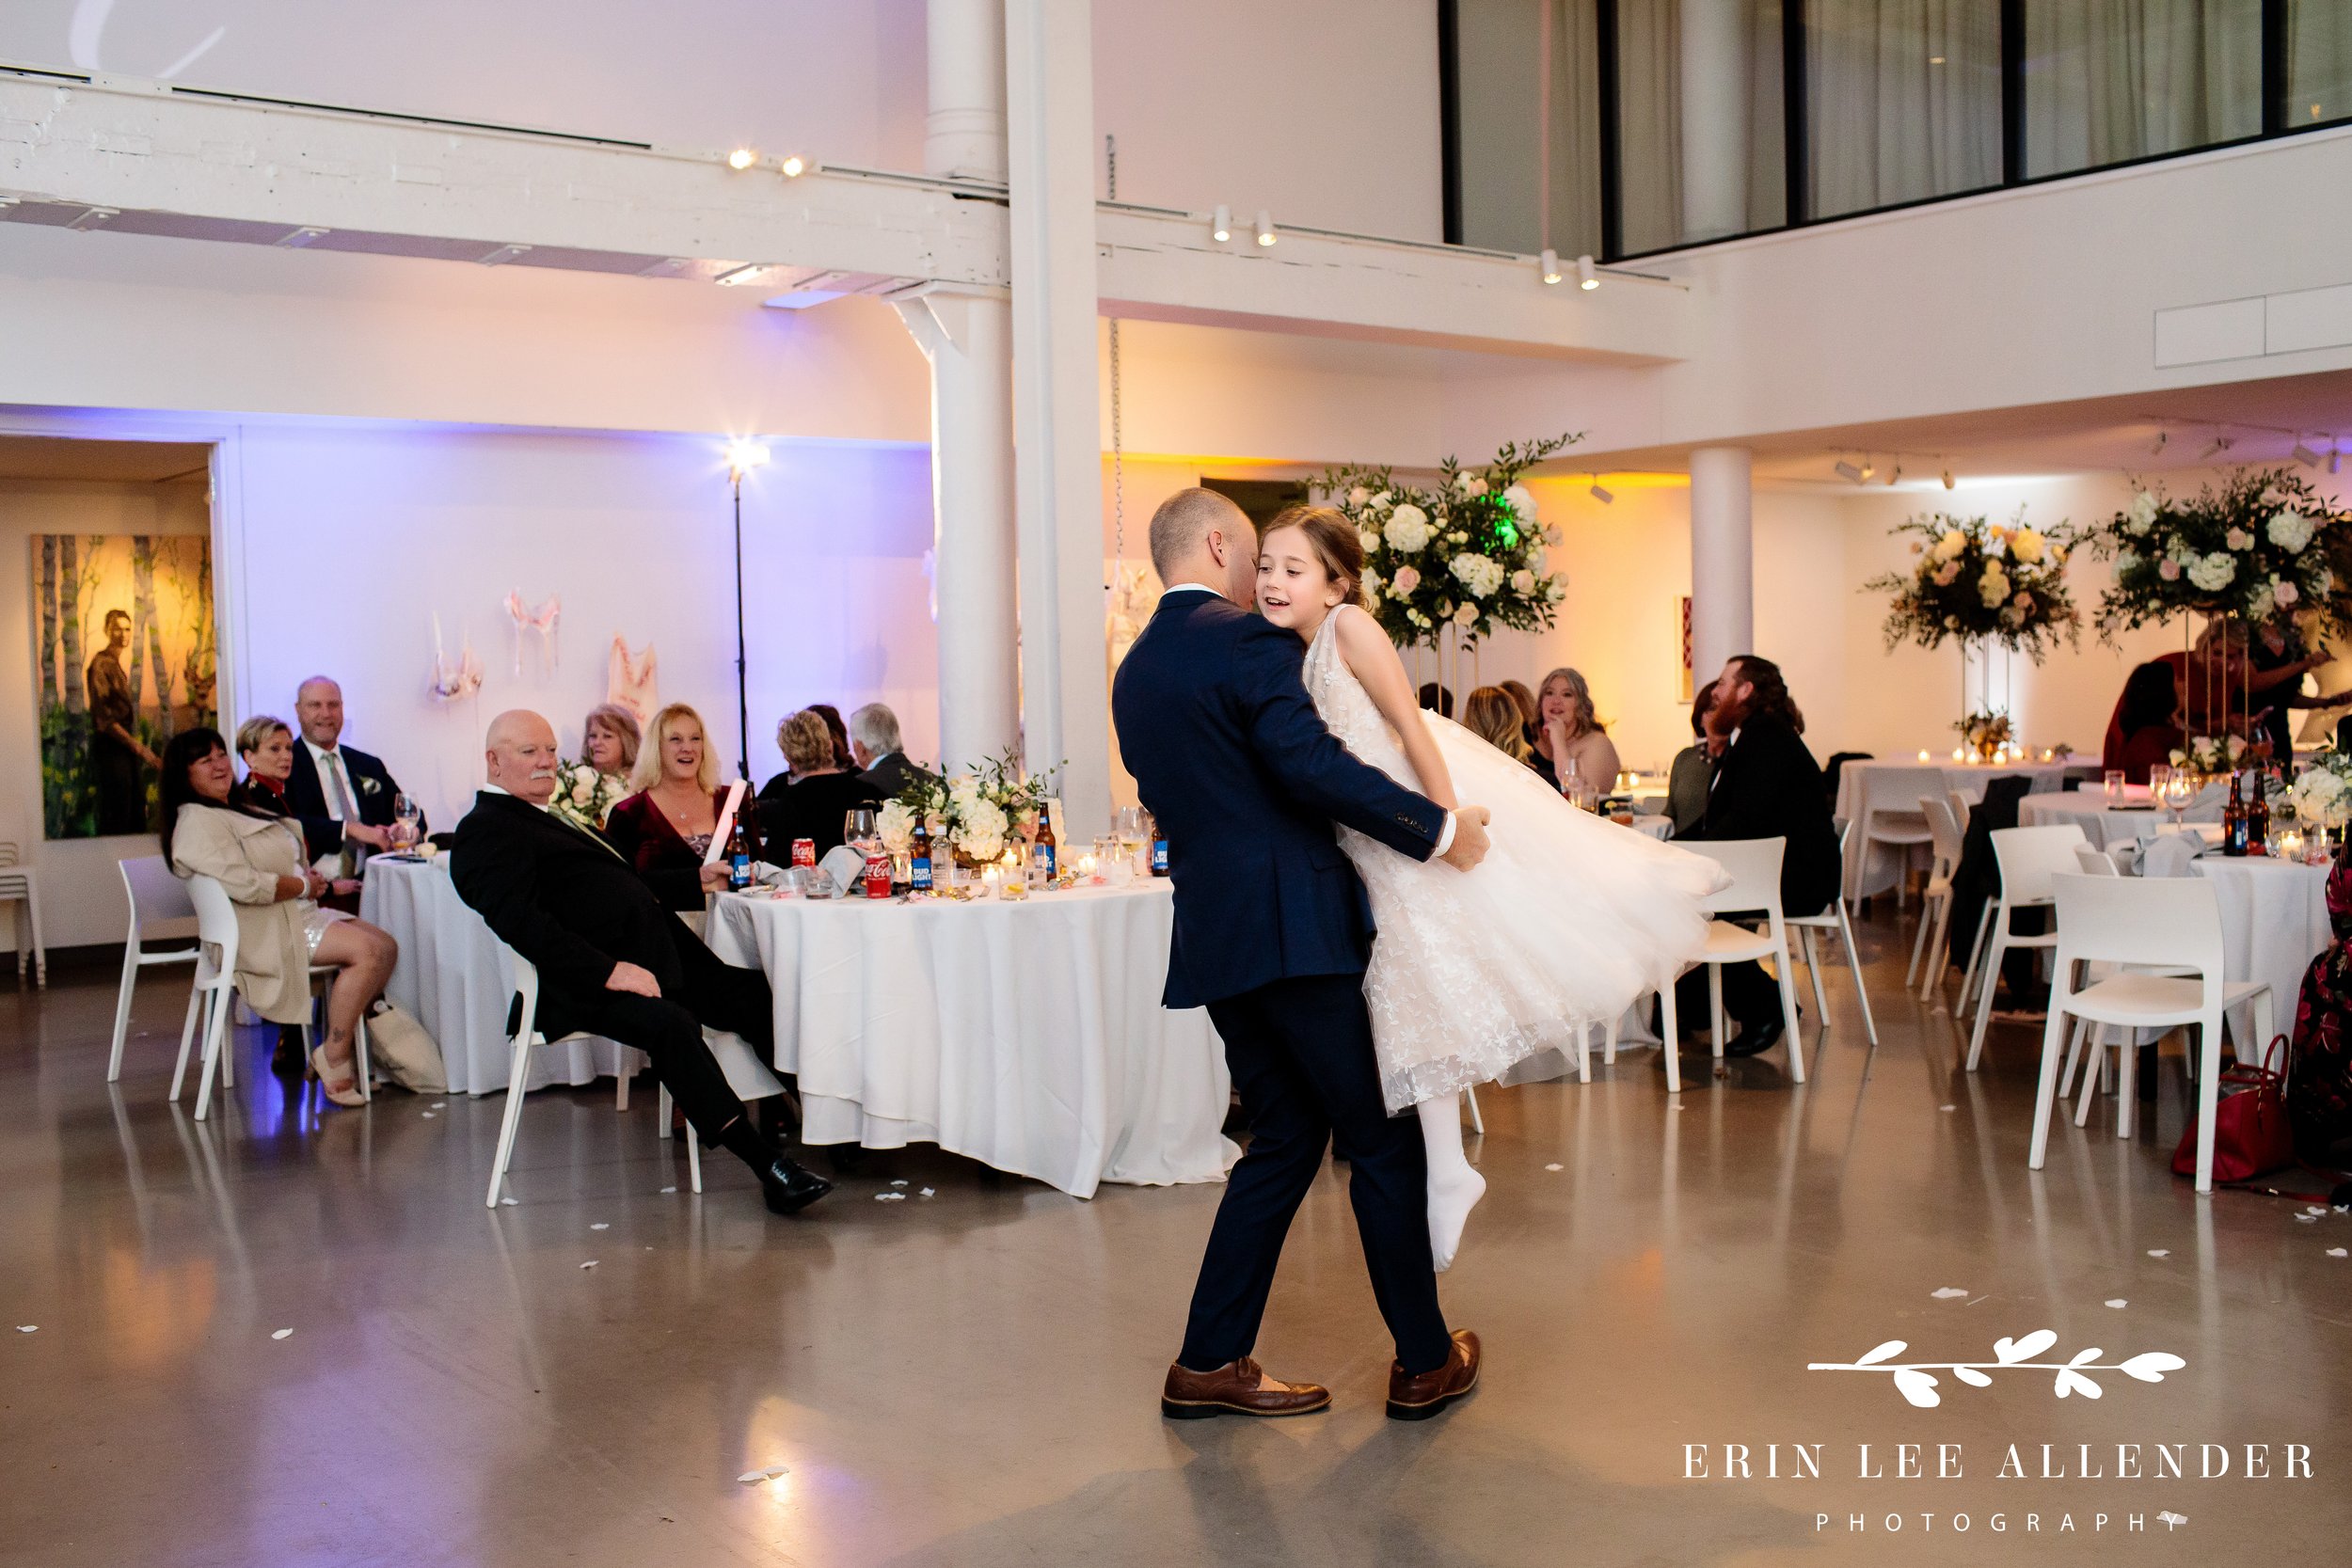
(1128, 825)
(407, 824)
(2178, 791)
(859, 828)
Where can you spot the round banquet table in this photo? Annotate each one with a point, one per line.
(454, 976)
(2102, 825)
(2274, 923)
(1885, 867)
(1029, 1034)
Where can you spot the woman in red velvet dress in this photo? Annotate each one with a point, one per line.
(664, 829)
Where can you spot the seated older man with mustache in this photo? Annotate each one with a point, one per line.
(612, 960)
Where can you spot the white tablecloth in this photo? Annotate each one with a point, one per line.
(2274, 923)
(2102, 826)
(1885, 864)
(454, 975)
(1029, 1036)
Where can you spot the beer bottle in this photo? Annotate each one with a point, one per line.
(738, 856)
(2258, 818)
(1159, 848)
(1041, 858)
(919, 860)
(2233, 822)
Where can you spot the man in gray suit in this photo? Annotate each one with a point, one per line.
(874, 741)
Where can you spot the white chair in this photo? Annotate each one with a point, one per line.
(1888, 814)
(1963, 808)
(2027, 858)
(20, 886)
(2144, 923)
(1833, 919)
(520, 1045)
(157, 898)
(1753, 866)
(216, 983)
(1935, 908)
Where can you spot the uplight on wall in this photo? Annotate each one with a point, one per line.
(1549, 263)
(1221, 224)
(743, 158)
(1265, 228)
(1587, 275)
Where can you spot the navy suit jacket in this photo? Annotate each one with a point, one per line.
(373, 788)
(1244, 781)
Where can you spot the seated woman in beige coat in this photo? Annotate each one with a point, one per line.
(281, 931)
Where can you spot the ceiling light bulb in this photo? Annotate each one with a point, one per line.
(744, 455)
(794, 167)
(1947, 478)
(1221, 225)
(1847, 470)
(743, 158)
(1600, 495)
(1549, 264)
(1587, 277)
(2304, 455)
(1869, 468)
(1265, 229)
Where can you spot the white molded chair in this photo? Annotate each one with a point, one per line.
(1936, 903)
(20, 887)
(1834, 919)
(1753, 866)
(216, 983)
(1888, 816)
(2170, 923)
(156, 898)
(519, 1044)
(2027, 858)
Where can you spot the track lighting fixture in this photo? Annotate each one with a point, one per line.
(794, 165)
(1847, 470)
(1549, 266)
(1869, 467)
(2218, 445)
(1221, 224)
(1265, 228)
(1600, 495)
(1894, 476)
(1947, 478)
(2157, 449)
(2304, 455)
(1587, 275)
(2335, 458)
(743, 158)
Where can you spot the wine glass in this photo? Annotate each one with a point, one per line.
(2179, 790)
(407, 824)
(1128, 828)
(859, 828)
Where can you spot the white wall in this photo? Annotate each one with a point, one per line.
(81, 892)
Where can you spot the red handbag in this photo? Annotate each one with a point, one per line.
(2250, 1135)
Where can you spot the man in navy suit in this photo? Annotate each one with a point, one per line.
(342, 795)
(1273, 932)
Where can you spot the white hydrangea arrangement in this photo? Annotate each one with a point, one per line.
(2255, 547)
(2322, 792)
(976, 814)
(1978, 580)
(1469, 553)
(583, 796)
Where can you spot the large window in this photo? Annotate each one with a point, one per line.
(1623, 127)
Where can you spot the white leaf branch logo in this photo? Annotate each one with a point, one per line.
(1915, 1379)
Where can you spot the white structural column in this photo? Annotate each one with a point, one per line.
(1714, 84)
(966, 333)
(1057, 453)
(1723, 559)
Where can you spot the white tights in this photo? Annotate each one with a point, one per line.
(1455, 1187)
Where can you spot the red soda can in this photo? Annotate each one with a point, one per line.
(878, 876)
(804, 851)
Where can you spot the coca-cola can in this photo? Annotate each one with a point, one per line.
(878, 876)
(804, 851)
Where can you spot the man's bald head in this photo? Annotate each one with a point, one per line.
(319, 709)
(1201, 536)
(520, 755)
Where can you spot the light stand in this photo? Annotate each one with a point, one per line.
(743, 456)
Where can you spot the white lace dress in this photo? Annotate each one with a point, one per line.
(1571, 916)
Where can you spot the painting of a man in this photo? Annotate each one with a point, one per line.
(118, 757)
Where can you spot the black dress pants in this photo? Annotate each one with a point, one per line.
(1301, 1052)
(669, 1028)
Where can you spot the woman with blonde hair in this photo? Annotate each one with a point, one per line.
(814, 799)
(1493, 715)
(1570, 740)
(665, 828)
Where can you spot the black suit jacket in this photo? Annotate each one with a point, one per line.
(373, 788)
(1767, 785)
(892, 773)
(564, 900)
(1230, 757)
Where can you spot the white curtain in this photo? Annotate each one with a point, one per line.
(1904, 101)
(2319, 61)
(1678, 99)
(2111, 80)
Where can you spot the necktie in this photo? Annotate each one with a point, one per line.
(350, 812)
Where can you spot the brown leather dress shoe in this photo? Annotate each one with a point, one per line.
(1233, 1389)
(1417, 1399)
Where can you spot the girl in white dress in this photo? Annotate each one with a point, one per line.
(1571, 917)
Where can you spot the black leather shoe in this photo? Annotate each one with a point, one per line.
(1756, 1039)
(790, 1187)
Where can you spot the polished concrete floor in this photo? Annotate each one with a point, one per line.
(295, 1336)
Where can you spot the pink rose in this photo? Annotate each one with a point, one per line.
(1947, 573)
(1402, 584)
(2023, 600)
(2287, 593)
(2168, 569)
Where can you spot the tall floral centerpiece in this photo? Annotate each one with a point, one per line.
(1981, 582)
(1449, 564)
(976, 816)
(2254, 548)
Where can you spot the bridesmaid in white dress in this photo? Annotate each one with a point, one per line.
(1571, 917)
